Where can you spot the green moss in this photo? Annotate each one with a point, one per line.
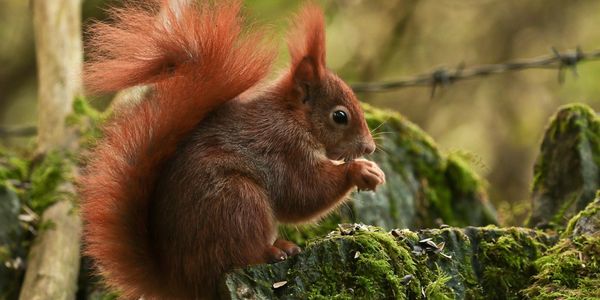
(365, 262)
(570, 270)
(36, 180)
(559, 217)
(462, 179)
(378, 263)
(46, 178)
(300, 234)
(98, 291)
(444, 188)
(567, 171)
(438, 288)
(86, 121)
(508, 259)
(593, 209)
(13, 168)
(34, 185)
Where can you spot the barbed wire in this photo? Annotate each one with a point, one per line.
(566, 60)
(442, 76)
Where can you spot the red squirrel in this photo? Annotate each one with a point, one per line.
(192, 181)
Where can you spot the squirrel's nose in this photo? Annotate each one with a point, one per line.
(369, 147)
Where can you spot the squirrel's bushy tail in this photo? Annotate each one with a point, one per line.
(195, 57)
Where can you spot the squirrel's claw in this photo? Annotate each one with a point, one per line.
(288, 247)
(275, 255)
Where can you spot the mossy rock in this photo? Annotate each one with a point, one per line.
(424, 187)
(571, 269)
(567, 170)
(366, 262)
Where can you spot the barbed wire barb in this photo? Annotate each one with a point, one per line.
(443, 77)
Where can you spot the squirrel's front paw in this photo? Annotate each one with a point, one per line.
(366, 175)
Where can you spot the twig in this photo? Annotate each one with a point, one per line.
(25, 131)
(443, 76)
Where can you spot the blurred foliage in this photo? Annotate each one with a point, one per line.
(86, 121)
(495, 122)
(35, 179)
(28, 185)
(38, 182)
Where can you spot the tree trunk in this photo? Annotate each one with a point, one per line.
(53, 263)
(54, 258)
(57, 28)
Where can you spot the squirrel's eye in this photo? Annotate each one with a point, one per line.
(340, 117)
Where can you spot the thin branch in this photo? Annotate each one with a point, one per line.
(25, 131)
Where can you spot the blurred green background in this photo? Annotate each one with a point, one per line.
(494, 122)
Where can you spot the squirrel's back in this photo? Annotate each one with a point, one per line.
(196, 57)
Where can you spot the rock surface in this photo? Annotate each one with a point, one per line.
(365, 262)
(571, 269)
(424, 187)
(567, 170)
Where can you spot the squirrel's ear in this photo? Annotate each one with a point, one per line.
(306, 42)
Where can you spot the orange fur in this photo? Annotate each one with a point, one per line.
(196, 60)
(307, 39)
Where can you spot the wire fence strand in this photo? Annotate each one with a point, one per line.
(443, 77)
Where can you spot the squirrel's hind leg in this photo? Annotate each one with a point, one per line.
(288, 247)
(255, 222)
(247, 222)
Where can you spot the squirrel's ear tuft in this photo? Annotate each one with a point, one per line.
(306, 42)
